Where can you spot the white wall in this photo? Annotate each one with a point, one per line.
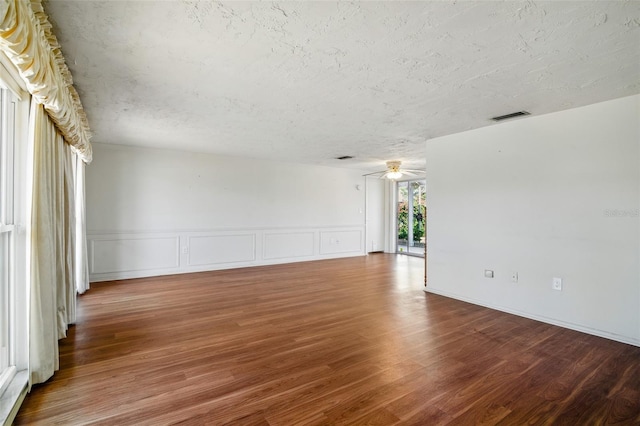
(152, 212)
(375, 213)
(391, 217)
(551, 196)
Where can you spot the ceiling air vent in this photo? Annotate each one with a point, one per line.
(344, 157)
(508, 116)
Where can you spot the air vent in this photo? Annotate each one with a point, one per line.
(512, 115)
(344, 157)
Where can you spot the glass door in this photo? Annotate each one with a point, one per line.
(411, 215)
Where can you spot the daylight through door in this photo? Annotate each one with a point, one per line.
(411, 215)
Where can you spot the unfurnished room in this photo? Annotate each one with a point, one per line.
(319, 212)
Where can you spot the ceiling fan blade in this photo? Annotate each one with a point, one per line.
(393, 167)
(416, 173)
(375, 173)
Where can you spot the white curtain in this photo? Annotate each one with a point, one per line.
(58, 256)
(53, 286)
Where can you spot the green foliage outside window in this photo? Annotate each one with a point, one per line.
(403, 221)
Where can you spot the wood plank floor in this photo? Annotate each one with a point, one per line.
(346, 341)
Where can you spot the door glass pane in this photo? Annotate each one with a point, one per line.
(411, 215)
(402, 210)
(417, 221)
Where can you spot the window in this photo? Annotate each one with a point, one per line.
(14, 206)
(7, 228)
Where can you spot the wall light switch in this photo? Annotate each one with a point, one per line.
(488, 273)
(557, 284)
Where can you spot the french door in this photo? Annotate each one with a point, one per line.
(411, 217)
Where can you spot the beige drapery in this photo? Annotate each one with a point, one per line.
(59, 135)
(26, 38)
(53, 287)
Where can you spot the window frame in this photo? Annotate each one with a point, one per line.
(7, 230)
(15, 186)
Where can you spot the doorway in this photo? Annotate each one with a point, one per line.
(411, 217)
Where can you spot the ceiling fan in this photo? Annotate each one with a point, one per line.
(394, 172)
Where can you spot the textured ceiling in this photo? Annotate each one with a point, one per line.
(309, 81)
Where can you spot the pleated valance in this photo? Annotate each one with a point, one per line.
(26, 38)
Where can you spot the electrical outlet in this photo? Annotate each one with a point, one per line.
(185, 249)
(514, 277)
(557, 283)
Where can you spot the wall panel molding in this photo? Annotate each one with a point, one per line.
(341, 241)
(118, 255)
(220, 249)
(127, 253)
(283, 245)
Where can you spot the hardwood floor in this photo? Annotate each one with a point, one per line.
(346, 341)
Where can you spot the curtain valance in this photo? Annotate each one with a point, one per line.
(26, 38)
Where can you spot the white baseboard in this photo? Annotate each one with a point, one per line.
(552, 321)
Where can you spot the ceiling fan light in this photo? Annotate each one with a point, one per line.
(394, 175)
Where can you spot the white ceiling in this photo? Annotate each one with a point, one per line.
(310, 81)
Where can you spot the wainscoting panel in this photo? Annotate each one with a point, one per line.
(284, 245)
(216, 249)
(332, 242)
(126, 254)
(116, 256)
